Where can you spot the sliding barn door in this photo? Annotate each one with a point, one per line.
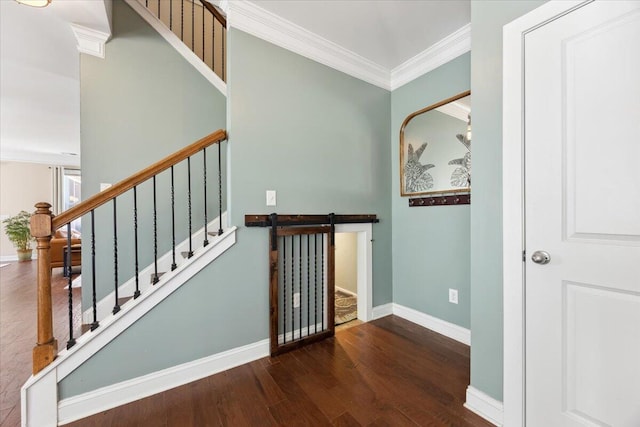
(301, 286)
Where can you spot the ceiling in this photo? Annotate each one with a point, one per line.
(40, 79)
(39, 60)
(387, 32)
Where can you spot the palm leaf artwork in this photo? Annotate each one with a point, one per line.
(461, 176)
(416, 177)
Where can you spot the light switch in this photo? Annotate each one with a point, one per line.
(271, 197)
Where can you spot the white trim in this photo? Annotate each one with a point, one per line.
(513, 204)
(91, 342)
(105, 305)
(251, 18)
(440, 326)
(346, 291)
(455, 110)
(179, 46)
(93, 402)
(383, 310)
(90, 41)
(39, 403)
(447, 49)
(484, 405)
(364, 259)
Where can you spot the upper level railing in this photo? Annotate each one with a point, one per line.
(200, 25)
(44, 226)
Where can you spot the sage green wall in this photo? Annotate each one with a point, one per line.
(318, 137)
(430, 244)
(487, 20)
(140, 103)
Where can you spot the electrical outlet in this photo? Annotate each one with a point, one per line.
(271, 197)
(453, 296)
(296, 300)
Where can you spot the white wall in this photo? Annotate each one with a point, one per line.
(22, 185)
(346, 261)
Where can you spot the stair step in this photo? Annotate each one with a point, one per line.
(153, 277)
(122, 300)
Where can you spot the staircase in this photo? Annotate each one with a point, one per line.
(200, 25)
(116, 303)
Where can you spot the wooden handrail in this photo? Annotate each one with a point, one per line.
(128, 183)
(215, 12)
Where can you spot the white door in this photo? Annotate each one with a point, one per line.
(582, 207)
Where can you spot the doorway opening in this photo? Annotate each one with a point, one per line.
(353, 271)
(346, 279)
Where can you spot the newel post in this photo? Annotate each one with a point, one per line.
(46, 348)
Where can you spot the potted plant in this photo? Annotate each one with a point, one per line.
(19, 233)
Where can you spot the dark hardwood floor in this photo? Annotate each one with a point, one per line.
(388, 372)
(18, 329)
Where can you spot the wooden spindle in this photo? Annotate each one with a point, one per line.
(46, 348)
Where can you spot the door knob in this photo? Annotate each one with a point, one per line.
(541, 257)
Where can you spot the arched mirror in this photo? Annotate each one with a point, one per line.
(435, 149)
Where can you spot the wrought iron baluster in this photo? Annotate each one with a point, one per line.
(300, 285)
(116, 307)
(204, 180)
(136, 294)
(193, 25)
(171, 15)
(72, 340)
(220, 189)
(213, 43)
(182, 20)
(173, 223)
(223, 60)
(293, 277)
(155, 234)
(203, 46)
(190, 253)
(308, 281)
(315, 282)
(159, 7)
(284, 289)
(322, 281)
(95, 323)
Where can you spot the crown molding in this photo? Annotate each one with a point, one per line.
(90, 41)
(253, 19)
(438, 54)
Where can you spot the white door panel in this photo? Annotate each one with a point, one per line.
(582, 206)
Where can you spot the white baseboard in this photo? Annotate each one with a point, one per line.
(440, 326)
(484, 405)
(382, 311)
(346, 291)
(77, 407)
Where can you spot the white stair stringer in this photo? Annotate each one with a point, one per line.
(105, 305)
(39, 395)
